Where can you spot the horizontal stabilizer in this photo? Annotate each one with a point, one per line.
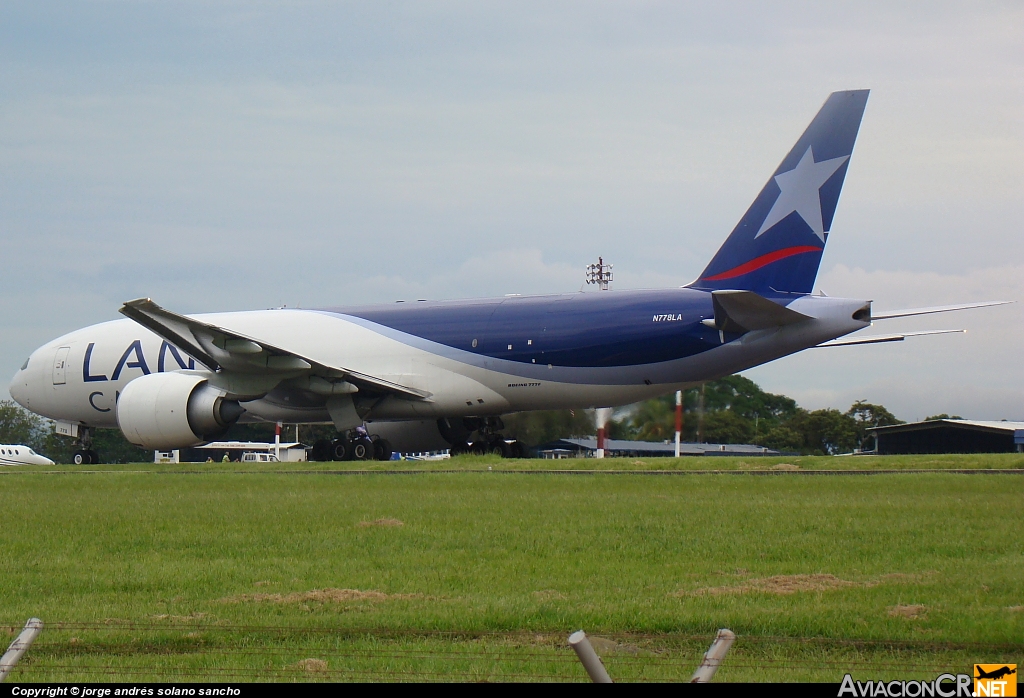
(744, 311)
(886, 315)
(221, 349)
(878, 338)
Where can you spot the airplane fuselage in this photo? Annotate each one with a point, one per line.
(474, 358)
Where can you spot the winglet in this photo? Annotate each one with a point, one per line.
(169, 326)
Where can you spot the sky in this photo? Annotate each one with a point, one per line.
(238, 155)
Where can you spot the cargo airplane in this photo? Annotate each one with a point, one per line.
(427, 374)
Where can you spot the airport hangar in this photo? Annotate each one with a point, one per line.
(949, 436)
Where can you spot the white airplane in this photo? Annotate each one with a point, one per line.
(431, 374)
(16, 454)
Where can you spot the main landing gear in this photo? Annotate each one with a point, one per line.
(481, 436)
(84, 453)
(352, 446)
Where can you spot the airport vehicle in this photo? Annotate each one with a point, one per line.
(259, 458)
(440, 372)
(16, 454)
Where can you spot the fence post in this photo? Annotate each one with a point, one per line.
(21, 643)
(714, 656)
(588, 657)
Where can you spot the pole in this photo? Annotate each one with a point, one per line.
(700, 416)
(714, 656)
(588, 657)
(679, 418)
(33, 627)
(277, 441)
(601, 418)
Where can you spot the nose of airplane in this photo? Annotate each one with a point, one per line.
(19, 386)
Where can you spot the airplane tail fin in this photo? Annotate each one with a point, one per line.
(777, 245)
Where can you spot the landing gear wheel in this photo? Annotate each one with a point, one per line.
(459, 449)
(516, 449)
(362, 449)
(94, 458)
(81, 458)
(321, 451)
(498, 447)
(478, 448)
(340, 450)
(382, 449)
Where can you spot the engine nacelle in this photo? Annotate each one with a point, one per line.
(164, 411)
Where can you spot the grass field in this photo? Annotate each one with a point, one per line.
(469, 463)
(237, 574)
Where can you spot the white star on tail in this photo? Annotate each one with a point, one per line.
(799, 192)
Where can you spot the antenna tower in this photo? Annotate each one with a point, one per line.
(600, 274)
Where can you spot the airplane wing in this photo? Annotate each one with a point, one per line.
(886, 315)
(875, 339)
(744, 311)
(219, 349)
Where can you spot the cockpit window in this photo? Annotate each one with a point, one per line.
(25, 365)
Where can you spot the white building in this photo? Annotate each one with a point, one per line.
(291, 452)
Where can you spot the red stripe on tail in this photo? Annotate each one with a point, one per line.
(762, 261)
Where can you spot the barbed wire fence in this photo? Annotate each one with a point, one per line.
(175, 651)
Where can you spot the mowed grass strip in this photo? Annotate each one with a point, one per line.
(172, 577)
(175, 653)
(473, 463)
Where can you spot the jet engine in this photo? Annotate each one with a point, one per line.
(164, 411)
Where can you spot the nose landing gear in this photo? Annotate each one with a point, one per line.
(84, 454)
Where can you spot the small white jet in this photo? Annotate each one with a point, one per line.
(16, 454)
(430, 375)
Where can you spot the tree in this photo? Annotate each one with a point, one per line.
(866, 415)
(783, 438)
(655, 420)
(536, 428)
(745, 398)
(114, 448)
(936, 417)
(727, 427)
(736, 410)
(18, 425)
(825, 431)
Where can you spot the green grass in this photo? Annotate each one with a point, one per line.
(152, 576)
(979, 461)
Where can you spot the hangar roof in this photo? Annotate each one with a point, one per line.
(249, 445)
(665, 447)
(983, 425)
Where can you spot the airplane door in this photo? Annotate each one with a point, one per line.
(60, 365)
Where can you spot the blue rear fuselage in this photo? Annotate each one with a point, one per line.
(584, 330)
